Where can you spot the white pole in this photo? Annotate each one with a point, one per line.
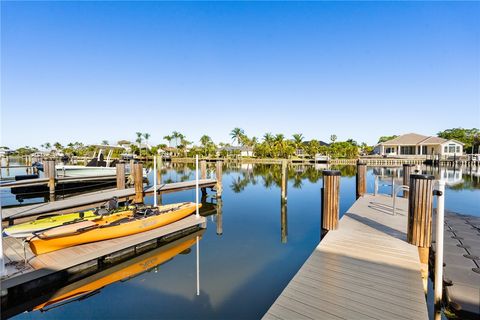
(154, 180)
(198, 266)
(2, 261)
(197, 214)
(438, 288)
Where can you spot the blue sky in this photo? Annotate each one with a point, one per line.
(89, 71)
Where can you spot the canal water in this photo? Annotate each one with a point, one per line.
(249, 251)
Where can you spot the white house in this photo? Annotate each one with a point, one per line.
(413, 144)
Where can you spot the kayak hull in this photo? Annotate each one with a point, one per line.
(133, 226)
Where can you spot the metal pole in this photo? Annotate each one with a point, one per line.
(198, 265)
(438, 288)
(197, 214)
(393, 185)
(154, 181)
(2, 261)
(375, 186)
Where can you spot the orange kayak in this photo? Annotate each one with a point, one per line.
(125, 270)
(76, 234)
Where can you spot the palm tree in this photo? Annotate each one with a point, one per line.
(268, 137)
(237, 134)
(47, 145)
(204, 140)
(146, 136)
(333, 138)
(105, 142)
(298, 141)
(169, 139)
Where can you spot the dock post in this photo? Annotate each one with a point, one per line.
(219, 217)
(159, 178)
(203, 175)
(284, 181)
(330, 199)
(120, 175)
(361, 179)
(440, 220)
(407, 171)
(419, 228)
(51, 174)
(138, 181)
(218, 175)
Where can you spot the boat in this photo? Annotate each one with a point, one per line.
(28, 229)
(70, 235)
(124, 271)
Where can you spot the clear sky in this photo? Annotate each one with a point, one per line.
(89, 71)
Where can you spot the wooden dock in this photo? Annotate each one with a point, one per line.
(41, 266)
(90, 200)
(363, 270)
(59, 180)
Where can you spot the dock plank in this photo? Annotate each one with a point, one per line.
(365, 269)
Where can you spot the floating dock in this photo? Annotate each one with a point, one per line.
(462, 259)
(90, 200)
(363, 270)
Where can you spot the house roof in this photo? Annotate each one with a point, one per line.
(232, 148)
(417, 139)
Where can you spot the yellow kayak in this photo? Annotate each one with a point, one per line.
(97, 230)
(25, 230)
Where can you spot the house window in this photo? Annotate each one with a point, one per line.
(451, 148)
(445, 149)
(458, 149)
(424, 149)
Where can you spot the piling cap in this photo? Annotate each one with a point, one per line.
(408, 165)
(331, 173)
(422, 176)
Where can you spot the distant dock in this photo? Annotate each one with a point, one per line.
(363, 270)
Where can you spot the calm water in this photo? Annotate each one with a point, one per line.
(245, 268)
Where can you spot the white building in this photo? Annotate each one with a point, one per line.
(413, 144)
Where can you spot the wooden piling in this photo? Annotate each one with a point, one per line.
(138, 181)
(407, 171)
(330, 199)
(361, 179)
(203, 175)
(419, 228)
(218, 175)
(120, 175)
(283, 186)
(49, 167)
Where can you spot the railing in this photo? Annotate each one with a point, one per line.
(394, 195)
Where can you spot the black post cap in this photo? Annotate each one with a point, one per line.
(422, 176)
(331, 173)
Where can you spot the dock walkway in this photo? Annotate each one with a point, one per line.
(90, 200)
(363, 270)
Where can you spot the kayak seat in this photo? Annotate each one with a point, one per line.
(101, 212)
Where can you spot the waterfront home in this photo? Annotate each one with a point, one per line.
(302, 152)
(4, 151)
(413, 144)
(243, 151)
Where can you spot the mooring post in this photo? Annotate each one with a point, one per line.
(283, 185)
(330, 199)
(138, 181)
(419, 229)
(218, 175)
(51, 174)
(361, 179)
(219, 217)
(203, 175)
(159, 178)
(120, 175)
(407, 171)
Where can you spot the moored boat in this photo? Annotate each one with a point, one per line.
(93, 230)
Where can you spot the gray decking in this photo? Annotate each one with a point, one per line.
(363, 270)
